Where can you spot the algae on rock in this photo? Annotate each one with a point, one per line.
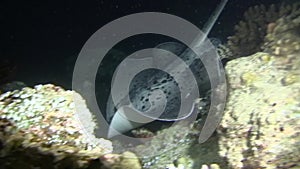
(260, 126)
(40, 127)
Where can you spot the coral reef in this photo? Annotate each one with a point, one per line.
(284, 39)
(177, 147)
(260, 127)
(40, 127)
(126, 160)
(161, 154)
(258, 21)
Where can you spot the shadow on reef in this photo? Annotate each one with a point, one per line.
(207, 153)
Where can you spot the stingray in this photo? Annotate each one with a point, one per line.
(167, 97)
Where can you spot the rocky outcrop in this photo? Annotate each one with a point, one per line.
(40, 127)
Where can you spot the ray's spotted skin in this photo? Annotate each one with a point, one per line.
(150, 80)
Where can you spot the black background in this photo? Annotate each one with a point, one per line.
(41, 36)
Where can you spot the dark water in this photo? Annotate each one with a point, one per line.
(43, 39)
(46, 37)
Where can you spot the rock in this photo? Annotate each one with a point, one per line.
(126, 160)
(40, 128)
(260, 127)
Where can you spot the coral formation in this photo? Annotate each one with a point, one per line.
(41, 125)
(180, 149)
(258, 21)
(126, 160)
(260, 127)
(284, 39)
